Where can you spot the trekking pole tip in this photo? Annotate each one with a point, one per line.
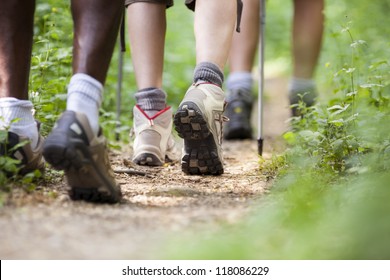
(260, 146)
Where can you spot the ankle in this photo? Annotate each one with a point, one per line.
(208, 72)
(151, 100)
(85, 96)
(301, 85)
(239, 80)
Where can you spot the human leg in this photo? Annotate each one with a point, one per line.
(16, 34)
(308, 25)
(239, 83)
(75, 144)
(93, 46)
(214, 26)
(153, 143)
(200, 114)
(244, 44)
(147, 27)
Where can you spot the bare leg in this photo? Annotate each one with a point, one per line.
(239, 82)
(147, 27)
(198, 119)
(16, 36)
(244, 44)
(16, 31)
(307, 36)
(214, 29)
(307, 32)
(86, 164)
(96, 24)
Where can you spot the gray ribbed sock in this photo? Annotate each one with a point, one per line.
(151, 100)
(301, 85)
(239, 86)
(208, 72)
(239, 80)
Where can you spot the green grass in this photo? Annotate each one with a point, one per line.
(309, 214)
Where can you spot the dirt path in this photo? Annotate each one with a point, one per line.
(167, 202)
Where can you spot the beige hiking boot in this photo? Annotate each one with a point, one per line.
(153, 143)
(199, 121)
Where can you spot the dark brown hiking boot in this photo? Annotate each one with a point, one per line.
(19, 147)
(238, 110)
(73, 147)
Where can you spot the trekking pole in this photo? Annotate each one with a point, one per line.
(122, 49)
(119, 92)
(260, 138)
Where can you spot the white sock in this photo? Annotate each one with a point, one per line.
(85, 95)
(11, 109)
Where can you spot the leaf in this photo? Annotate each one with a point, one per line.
(55, 36)
(338, 109)
(338, 146)
(289, 137)
(20, 144)
(352, 93)
(371, 85)
(3, 136)
(306, 134)
(338, 123)
(335, 107)
(15, 120)
(357, 43)
(352, 118)
(377, 64)
(353, 144)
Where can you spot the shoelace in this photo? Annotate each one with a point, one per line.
(221, 118)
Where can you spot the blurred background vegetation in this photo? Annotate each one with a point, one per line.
(330, 199)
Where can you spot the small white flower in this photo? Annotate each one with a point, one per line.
(34, 94)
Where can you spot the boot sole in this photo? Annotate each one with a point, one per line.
(201, 152)
(147, 159)
(86, 181)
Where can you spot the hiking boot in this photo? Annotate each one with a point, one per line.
(73, 147)
(198, 121)
(19, 147)
(153, 143)
(308, 98)
(238, 110)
